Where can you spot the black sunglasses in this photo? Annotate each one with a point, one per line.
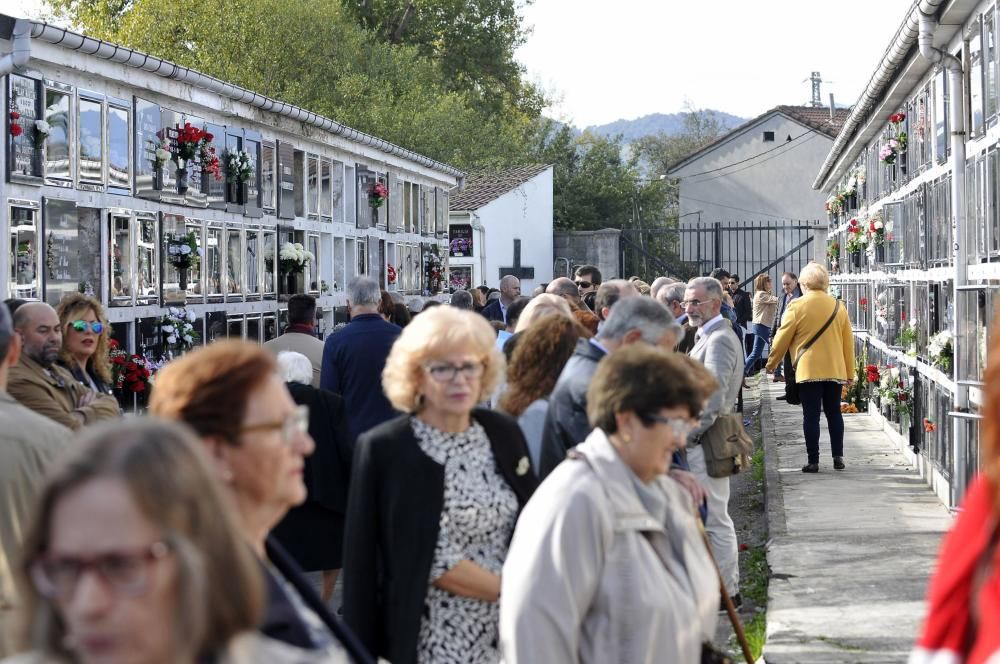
(584, 284)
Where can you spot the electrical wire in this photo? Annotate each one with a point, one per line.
(743, 161)
(739, 209)
(756, 163)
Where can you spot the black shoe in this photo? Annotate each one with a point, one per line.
(810, 468)
(838, 463)
(781, 398)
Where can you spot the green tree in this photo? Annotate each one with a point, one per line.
(310, 53)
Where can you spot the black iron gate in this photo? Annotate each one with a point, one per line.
(747, 249)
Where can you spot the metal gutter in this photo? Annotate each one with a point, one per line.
(74, 41)
(893, 60)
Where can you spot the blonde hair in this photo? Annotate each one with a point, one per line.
(761, 282)
(435, 333)
(543, 305)
(71, 308)
(814, 277)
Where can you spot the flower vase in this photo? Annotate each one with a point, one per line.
(242, 191)
(158, 178)
(182, 180)
(291, 283)
(205, 184)
(852, 201)
(902, 163)
(856, 259)
(182, 278)
(879, 253)
(233, 192)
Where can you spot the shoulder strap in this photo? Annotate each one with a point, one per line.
(808, 345)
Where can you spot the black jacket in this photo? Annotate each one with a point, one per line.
(743, 304)
(313, 533)
(492, 311)
(396, 498)
(283, 623)
(566, 423)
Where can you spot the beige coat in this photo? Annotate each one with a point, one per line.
(592, 578)
(297, 342)
(765, 308)
(28, 444)
(55, 394)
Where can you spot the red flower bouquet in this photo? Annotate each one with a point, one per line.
(15, 128)
(378, 195)
(129, 373)
(872, 373)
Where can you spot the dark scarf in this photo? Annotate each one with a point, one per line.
(301, 328)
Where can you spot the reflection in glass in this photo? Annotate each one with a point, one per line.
(121, 259)
(215, 326)
(213, 261)
(234, 262)
(253, 328)
(337, 182)
(325, 190)
(312, 186)
(253, 149)
(91, 144)
(269, 267)
(146, 262)
(24, 253)
(235, 330)
(72, 250)
(312, 268)
(57, 143)
(270, 325)
(253, 264)
(267, 176)
(118, 139)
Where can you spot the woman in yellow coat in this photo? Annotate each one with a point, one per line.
(824, 367)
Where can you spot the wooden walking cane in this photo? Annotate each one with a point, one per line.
(726, 599)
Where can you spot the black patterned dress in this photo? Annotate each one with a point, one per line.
(477, 522)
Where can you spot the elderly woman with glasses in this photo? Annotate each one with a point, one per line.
(134, 556)
(434, 497)
(230, 394)
(607, 563)
(85, 335)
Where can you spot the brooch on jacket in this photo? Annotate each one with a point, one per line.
(523, 466)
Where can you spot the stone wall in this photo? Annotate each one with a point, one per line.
(598, 248)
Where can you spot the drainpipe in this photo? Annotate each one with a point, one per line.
(957, 120)
(18, 57)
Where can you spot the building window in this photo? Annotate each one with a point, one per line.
(769, 137)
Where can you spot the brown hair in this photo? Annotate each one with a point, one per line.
(209, 387)
(539, 357)
(587, 320)
(69, 309)
(760, 283)
(172, 483)
(644, 379)
(385, 306)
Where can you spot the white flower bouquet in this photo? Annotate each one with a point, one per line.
(182, 250)
(293, 258)
(239, 166)
(178, 328)
(940, 348)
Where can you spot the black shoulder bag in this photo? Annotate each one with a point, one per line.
(791, 386)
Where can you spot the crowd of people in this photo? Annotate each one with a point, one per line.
(501, 478)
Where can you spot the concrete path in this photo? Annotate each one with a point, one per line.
(850, 551)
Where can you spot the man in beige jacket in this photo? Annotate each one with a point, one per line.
(299, 336)
(28, 444)
(45, 387)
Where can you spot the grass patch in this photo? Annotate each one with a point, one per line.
(753, 585)
(756, 633)
(757, 466)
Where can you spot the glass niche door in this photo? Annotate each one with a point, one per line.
(175, 277)
(121, 266)
(72, 252)
(25, 254)
(146, 233)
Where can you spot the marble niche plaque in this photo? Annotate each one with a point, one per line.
(25, 162)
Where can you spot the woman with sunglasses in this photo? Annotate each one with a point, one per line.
(433, 500)
(607, 564)
(85, 341)
(134, 556)
(230, 394)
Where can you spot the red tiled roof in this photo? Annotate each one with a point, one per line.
(483, 187)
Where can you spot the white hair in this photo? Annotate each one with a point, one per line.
(294, 367)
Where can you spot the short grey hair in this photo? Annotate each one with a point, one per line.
(461, 299)
(711, 285)
(364, 291)
(415, 304)
(295, 367)
(671, 293)
(644, 314)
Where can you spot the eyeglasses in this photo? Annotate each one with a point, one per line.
(680, 426)
(297, 422)
(696, 303)
(445, 373)
(81, 326)
(56, 577)
(583, 284)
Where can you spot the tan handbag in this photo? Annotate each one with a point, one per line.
(727, 446)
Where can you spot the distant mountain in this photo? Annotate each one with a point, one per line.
(650, 125)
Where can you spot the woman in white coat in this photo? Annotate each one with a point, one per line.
(607, 564)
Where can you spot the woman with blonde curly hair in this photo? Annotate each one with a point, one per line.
(85, 334)
(434, 497)
(541, 353)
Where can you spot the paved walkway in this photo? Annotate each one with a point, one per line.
(850, 551)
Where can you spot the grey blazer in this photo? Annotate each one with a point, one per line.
(721, 352)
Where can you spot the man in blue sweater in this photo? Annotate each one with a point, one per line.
(354, 357)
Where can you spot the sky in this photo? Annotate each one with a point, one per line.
(603, 60)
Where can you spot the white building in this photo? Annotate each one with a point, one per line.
(90, 206)
(937, 269)
(502, 224)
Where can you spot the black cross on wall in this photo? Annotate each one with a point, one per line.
(519, 271)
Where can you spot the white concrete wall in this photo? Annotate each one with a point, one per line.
(777, 185)
(524, 213)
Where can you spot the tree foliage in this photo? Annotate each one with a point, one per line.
(313, 54)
